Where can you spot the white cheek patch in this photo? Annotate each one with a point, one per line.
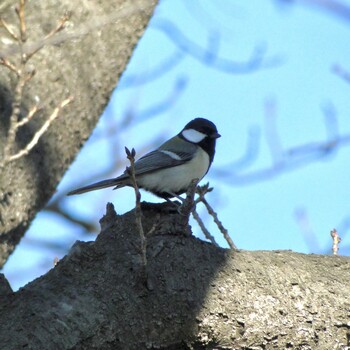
(193, 135)
(171, 154)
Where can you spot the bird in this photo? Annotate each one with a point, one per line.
(168, 171)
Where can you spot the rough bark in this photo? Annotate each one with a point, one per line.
(85, 62)
(191, 295)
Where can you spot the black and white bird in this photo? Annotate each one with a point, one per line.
(169, 170)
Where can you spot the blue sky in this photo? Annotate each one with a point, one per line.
(300, 46)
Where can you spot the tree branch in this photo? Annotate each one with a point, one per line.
(83, 65)
(202, 296)
(23, 152)
(138, 213)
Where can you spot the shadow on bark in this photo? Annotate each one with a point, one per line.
(38, 165)
(190, 295)
(101, 296)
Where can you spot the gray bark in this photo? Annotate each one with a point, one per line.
(86, 61)
(191, 295)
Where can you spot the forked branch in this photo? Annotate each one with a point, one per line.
(24, 75)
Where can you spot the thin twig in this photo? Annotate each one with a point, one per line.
(9, 30)
(336, 241)
(29, 116)
(341, 72)
(14, 118)
(55, 261)
(138, 214)
(205, 231)
(39, 133)
(222, 229)
(79, 32)
(202, 190)
(59, 27)
(23, 77)
(55, 207)
(22, 23)
(188, 204)
(9, 65)
(53, 32)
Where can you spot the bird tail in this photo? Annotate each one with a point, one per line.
(97, 186)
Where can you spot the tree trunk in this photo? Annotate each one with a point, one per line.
(190, 295)
(84, 60)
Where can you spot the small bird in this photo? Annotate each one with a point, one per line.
(169, 170)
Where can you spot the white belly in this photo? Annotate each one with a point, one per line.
(177, 178)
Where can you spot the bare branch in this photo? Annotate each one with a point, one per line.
(205, 231)
(331, 121)
(6, 63)
(131, 80)
(160, 107)
(29, 116)
(14, 118)
(81, 31)
(319, 149)
(39, 133)
(204, 55)
(248, 157)
(9, 30)
(22, 23)
(23, 77)
(341, 72)
(336, 241)
(54, 207)
(188, 204)
(202, 191)
(138, 213)
(285, 159)
(334, 7)
(59, 27)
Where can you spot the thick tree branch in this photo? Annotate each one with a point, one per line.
(198, 297)
(85, 60)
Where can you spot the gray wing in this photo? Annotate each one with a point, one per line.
(174, 152)
(171, 153)
(157, 160)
